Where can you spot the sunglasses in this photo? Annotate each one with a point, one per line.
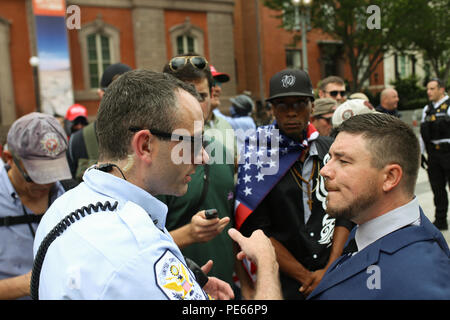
(325, 118)
(24, 174)
(334, 93)
(297, 106)
(198, 62)
(197, 143)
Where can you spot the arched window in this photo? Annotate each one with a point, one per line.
(185, 44)
(99, 56)
(187, 38)
(100, 45)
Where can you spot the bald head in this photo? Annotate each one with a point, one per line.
(389, 99)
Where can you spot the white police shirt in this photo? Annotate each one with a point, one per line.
(122, 254)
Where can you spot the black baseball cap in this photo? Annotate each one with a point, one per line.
(111, 71)
(289, 83)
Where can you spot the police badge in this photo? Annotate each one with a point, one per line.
(176, 280)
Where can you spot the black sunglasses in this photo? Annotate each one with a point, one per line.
(334, 93)
(198, 62)
(24, 174)
(297, 106)
(325, 118)
(197, 142)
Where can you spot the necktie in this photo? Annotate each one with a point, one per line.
(351, 247)
(348, 251)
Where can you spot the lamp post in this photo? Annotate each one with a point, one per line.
(300, 23)
(34, 62)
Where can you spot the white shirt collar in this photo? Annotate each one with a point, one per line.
(437, 104)
(375, 229)
(122, 190)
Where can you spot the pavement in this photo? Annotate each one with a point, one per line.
(425, 197)
(423, 188)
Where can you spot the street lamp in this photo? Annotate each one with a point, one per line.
(34, 62)
(300, 23)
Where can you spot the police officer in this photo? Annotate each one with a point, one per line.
(435, 133)
(106, 239)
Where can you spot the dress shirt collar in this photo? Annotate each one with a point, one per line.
(375, 229)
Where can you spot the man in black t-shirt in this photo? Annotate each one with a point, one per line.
(290, 205)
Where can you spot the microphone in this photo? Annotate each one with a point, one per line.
(107, 167)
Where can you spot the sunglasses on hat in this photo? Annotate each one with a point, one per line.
(327, 119)
(198, 62)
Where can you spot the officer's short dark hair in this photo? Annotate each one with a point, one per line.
(389, 141)
(139, 98)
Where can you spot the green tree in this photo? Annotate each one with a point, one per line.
(347, 20)
(423, 26)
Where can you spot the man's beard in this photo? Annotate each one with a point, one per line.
(354, 209)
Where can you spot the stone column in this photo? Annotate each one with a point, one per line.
(7, 107)
(149, 38)
(221, 50)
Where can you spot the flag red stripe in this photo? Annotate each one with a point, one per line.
(242, 212)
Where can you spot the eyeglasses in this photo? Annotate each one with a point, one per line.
(197, 143)
(217, 84)
(334, 93)
(24, 174)
(327, 119)
(196, 61)
(297, 106)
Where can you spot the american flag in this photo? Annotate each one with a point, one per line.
(265, 158)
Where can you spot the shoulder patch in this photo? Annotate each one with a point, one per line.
(175, 280)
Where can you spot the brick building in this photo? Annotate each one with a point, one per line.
(239, 37)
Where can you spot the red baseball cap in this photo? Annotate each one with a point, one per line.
(76, 110)
(219, 76)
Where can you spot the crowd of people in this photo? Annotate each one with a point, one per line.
(166, 195)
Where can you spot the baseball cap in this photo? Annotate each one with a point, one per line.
(242, 104)
(358, 95)
(290, 82)
(40, 142)
(111, 71)
(349, 109)
(324, 106)
(219, 76)
(76, 110)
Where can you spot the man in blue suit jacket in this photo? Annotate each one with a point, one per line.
(394, 252)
